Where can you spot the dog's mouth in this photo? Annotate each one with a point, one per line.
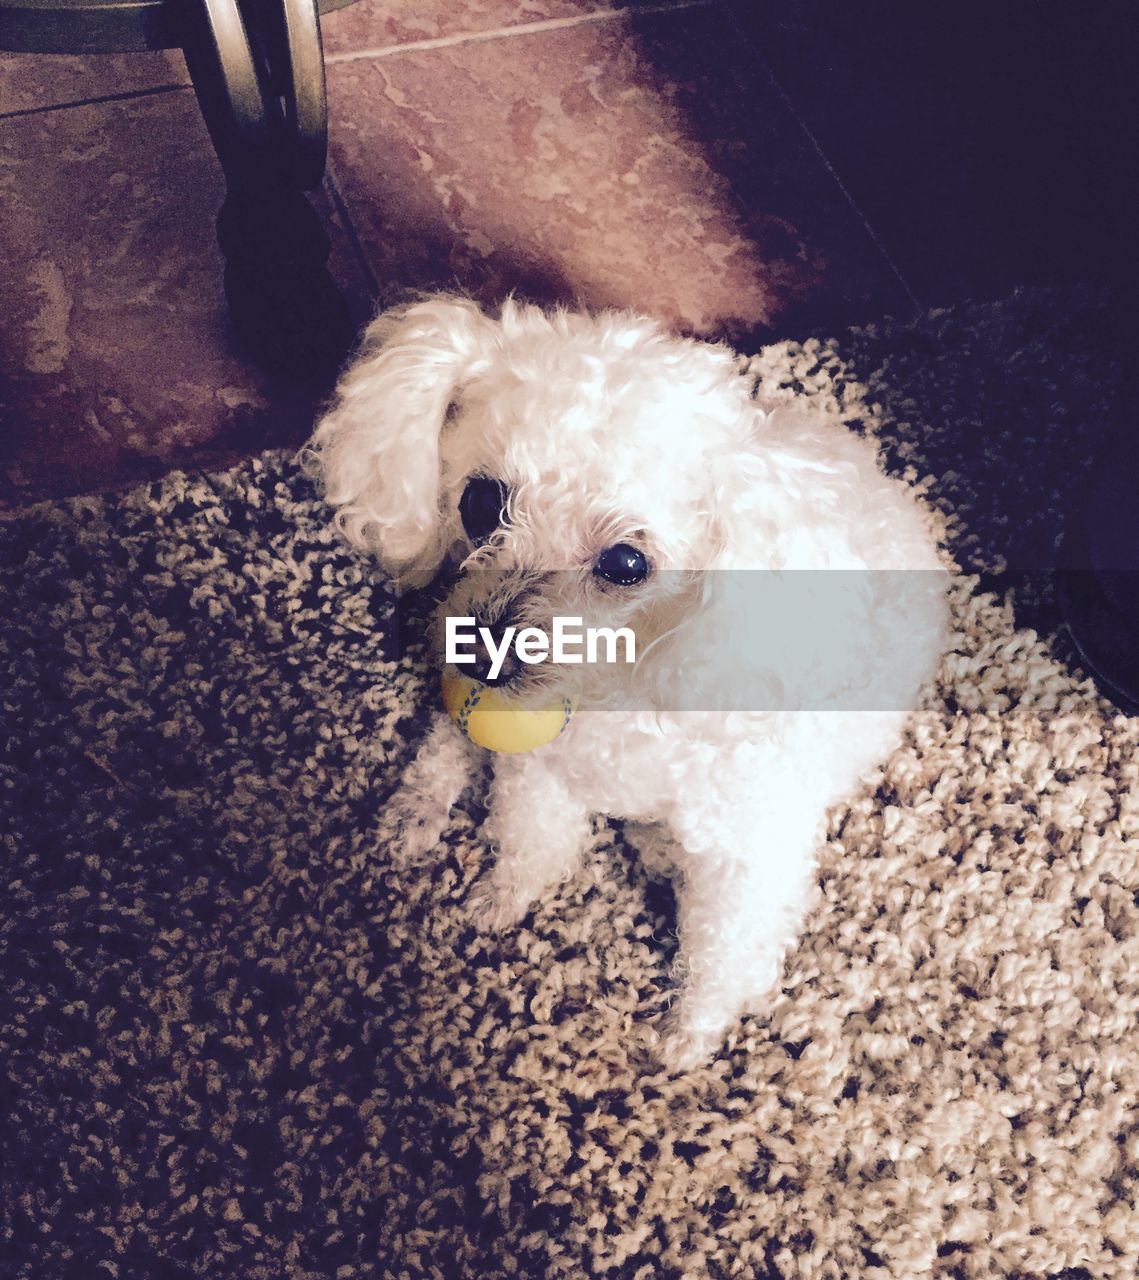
(509, 626)
(538, 636)
(479, 621)
(493, 660)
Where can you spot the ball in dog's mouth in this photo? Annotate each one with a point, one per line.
(491, 721)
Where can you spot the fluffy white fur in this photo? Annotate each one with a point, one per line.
(606, 429)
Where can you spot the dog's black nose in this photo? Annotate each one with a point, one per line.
(508, 666)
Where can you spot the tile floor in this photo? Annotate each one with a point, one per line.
(639, 154)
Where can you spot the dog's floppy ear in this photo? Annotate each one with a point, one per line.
(377, 448)
(849, 602)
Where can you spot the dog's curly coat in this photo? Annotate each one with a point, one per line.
(603, 430)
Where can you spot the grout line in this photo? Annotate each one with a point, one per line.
(875, 239)
(519, 29)
(332, 186)
(94, 102)
(412, 46)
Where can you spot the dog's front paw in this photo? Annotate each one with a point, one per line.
(493, 908)
(411, 829)
(684, 1044)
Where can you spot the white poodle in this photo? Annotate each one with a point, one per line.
(568, 464)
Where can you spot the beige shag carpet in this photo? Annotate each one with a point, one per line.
(236, 1044)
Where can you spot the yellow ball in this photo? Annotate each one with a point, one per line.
(480, 711)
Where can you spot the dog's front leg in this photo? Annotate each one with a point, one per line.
(539, 830)
(740, 906)
(417, 814)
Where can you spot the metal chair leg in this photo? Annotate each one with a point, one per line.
(258, 72)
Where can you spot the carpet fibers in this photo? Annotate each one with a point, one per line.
(236, 1043)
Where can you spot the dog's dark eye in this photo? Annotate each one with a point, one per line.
(622, 565)
(482, 508)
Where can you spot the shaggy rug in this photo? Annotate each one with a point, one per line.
(235, 1043)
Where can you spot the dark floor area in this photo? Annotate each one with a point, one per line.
(988, 146)
(744, 171)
